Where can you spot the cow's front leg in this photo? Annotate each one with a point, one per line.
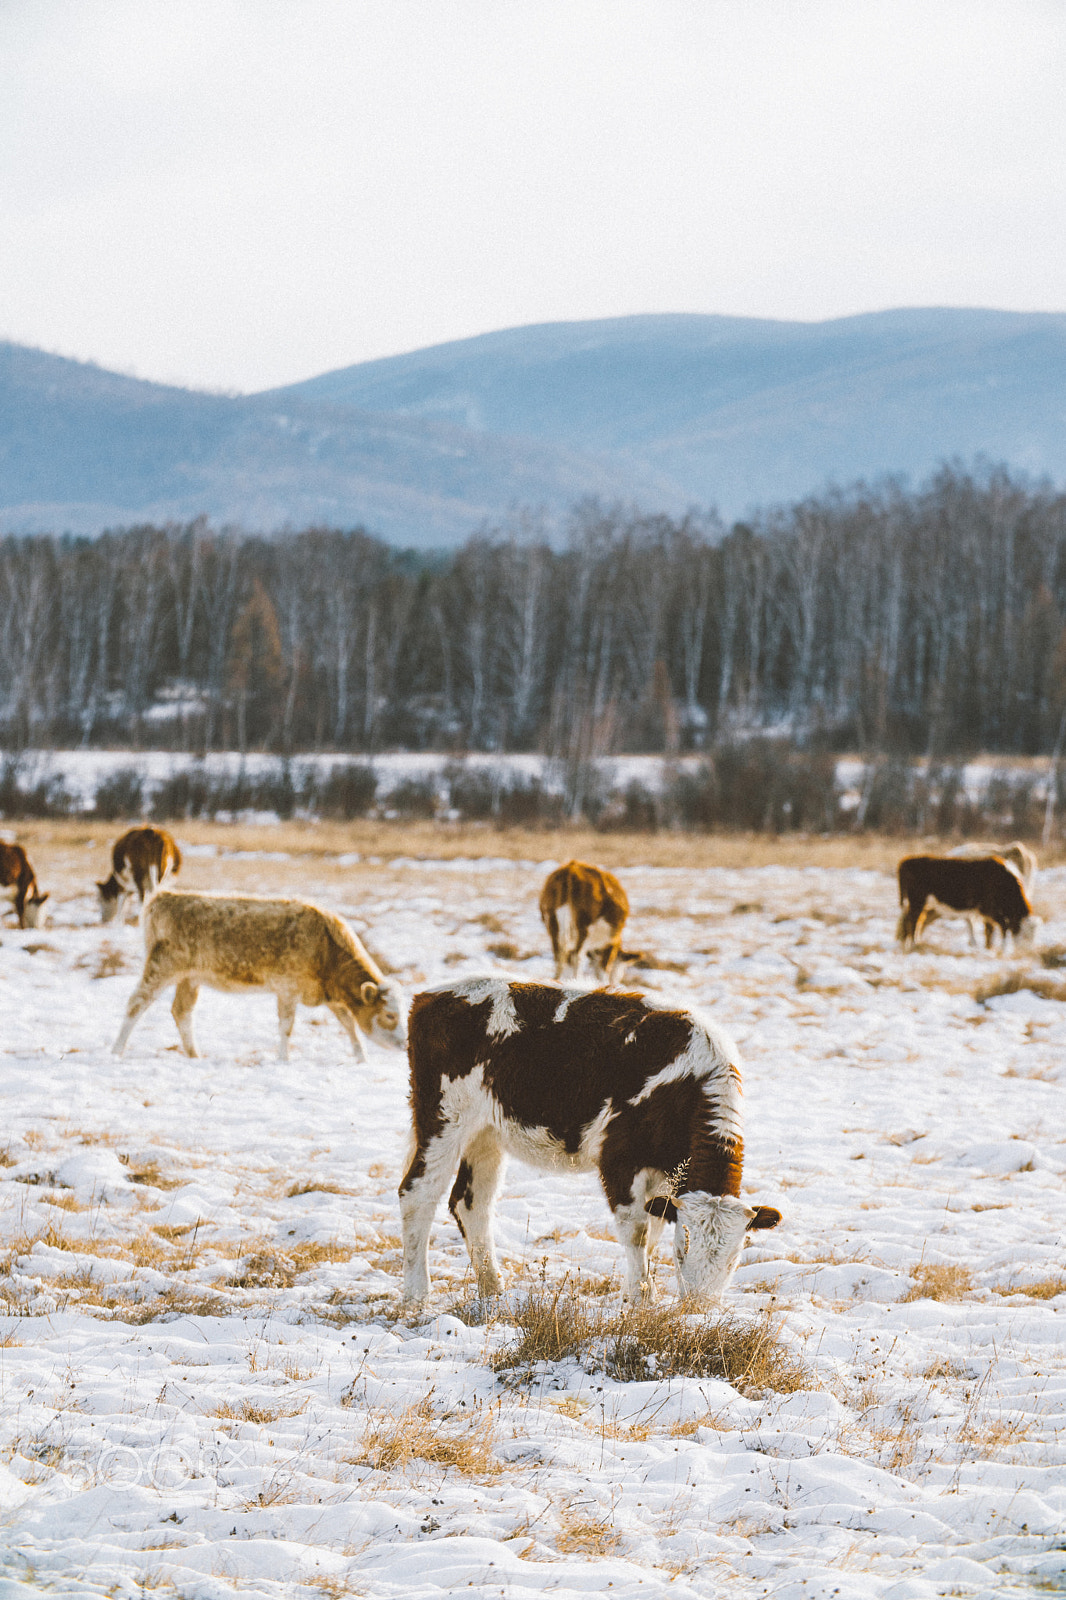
(471, 1204)
(286, 1019)
(352, 1029)
(632, 1223)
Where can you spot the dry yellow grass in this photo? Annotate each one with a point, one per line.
(70, 853)
(1046, 1289)
(263, 1265)
(650, 1342)
(934, 1282)
(585, 1535)
(465, 1444)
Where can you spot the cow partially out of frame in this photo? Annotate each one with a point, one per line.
(574, 1080)
(18, 878)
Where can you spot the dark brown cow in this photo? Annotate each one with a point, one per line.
(20, 881)
(140, 861)
(577, 1081)
(595, 905)
(986, 886)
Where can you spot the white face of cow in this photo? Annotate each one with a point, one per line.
(708, 1238)
(33, 912)
(108, 905)
(387, 1013)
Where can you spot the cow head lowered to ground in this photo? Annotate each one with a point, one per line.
(19, 880)
(646, 1095)
(140, 861)
(986, 887)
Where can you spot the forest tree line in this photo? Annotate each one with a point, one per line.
(929, 622)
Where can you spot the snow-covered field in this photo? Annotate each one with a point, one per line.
(206, 1386)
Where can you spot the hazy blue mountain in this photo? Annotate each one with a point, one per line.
(82, 449)
(661, 411)
(740, 411)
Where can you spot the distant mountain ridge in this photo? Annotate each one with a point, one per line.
(663, 412)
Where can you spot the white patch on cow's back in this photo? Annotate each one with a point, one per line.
(710, 1057)
(503, 1019)
(570, 994)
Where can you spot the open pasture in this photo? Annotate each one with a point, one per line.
(208, 1388)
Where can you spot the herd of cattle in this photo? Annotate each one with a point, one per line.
(645, 1094)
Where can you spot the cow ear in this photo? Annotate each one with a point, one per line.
(662, 1206)
(39, 899)
(369, 992)
(764, 1217)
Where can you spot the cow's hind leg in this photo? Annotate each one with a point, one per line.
(551, 922)
(471, 1204)
(428, 1173)
(185, 997)
(155, 977)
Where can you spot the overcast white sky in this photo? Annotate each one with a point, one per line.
(239, 193)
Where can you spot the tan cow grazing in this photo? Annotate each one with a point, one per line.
(140, 861)
(986, 886)
(577, 1080)
(18, 878)
(238, 942)
(593, 907)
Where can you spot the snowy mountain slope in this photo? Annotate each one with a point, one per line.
(202, 1366)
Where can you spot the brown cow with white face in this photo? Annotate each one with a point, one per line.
(140, 861)
(18, 878)
(239, 942)
(986, 887)
(594, 907)
(577, 1081)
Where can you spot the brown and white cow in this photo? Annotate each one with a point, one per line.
(577, 1080)
(240, 942)
(1016, 854)
(594, 907)
(140, 861)
(986, 886)
(19, 880)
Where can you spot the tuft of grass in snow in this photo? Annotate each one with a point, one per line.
(1046, 1289)
(267, 1267)
(939, 1282)
(247, 1411)
(150, 1173)
(107, 962)
(466, 1444)
(585, 1535)
(1017, 979)
(1054, 956)
(315, 1186)
(651, 1342)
